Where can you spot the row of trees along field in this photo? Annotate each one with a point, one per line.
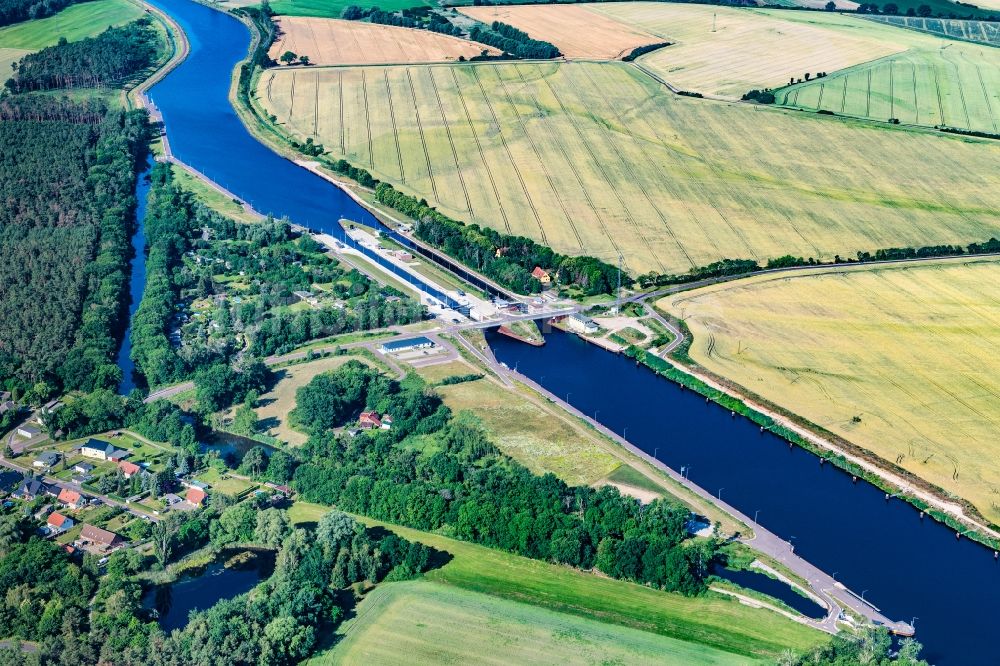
(413, 17)
(15, 11)
(506, 259)
(510, 40)
(458, 481)
(67, 172)
(106, 60)
(250, 272)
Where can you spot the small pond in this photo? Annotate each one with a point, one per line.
(760, 582)
(232, 574)
(230, 447)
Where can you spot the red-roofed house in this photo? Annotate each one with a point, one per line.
(195, 496)
(369, 420)
(129, 469)
(71, 498)
(542, 275)
(57, 522)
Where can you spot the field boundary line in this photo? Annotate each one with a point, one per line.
(316, 106)
(423, 141)
(479, 145)
(510, 158)
(451, 141)
(395, 131)
(538, 157)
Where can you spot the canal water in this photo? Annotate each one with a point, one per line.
(137, 283)
(907, 566)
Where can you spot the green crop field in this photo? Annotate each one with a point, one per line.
(420, 622)
(712, 620)
(74, 23)
(598, 158)
(333, 8)
(956, 85)
(971, 31)
(900, 360)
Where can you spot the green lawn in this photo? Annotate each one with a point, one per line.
(423, 622)
(74, 23)
(332, 8)
(710, 620)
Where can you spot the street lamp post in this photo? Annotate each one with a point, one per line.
(755, 514)
(863, 596)
(720, 493)
(655, 451)
(567, 397)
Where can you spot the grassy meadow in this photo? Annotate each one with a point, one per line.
(539, 437)
(430, 623)
(710, 622)
(74, 23)
(954, 84)
(539, 150)
(900, 360)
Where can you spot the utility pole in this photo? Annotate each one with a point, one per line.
(713, 21)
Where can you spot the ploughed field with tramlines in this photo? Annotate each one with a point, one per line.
(601, 159)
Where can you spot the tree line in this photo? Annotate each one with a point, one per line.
(730, 267)
(108, 59)
(512, 41)
(15, 11)
(423, 18)
(504, 258)
(64, 246)
(464, 485)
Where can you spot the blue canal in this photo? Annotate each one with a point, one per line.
(907, 566)
(137, 282)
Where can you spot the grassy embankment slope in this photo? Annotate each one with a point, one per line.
(74, 23)
(710, 622)
(671, 183)
(899, 360)
(430, 623)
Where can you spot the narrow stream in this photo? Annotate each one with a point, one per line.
(137, 282)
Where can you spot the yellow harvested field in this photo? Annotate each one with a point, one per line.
(600, 159)
(753, 48)
(336, 42)
(574, 29)
(900, 360)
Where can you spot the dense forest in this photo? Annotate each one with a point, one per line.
(465, 485)
(67, 172)
(15, 11)
(506, 259)
(108, 59)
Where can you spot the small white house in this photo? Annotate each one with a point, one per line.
(580, 324)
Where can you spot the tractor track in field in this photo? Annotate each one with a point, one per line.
(316, 106)
(510, 157)
(479, 146)
(538, 157)
(340, 89)
(423, 140)
(600, 167)
(572, 169)
(631, 171)
(451, 141)
(368, 123)
(395, 130)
